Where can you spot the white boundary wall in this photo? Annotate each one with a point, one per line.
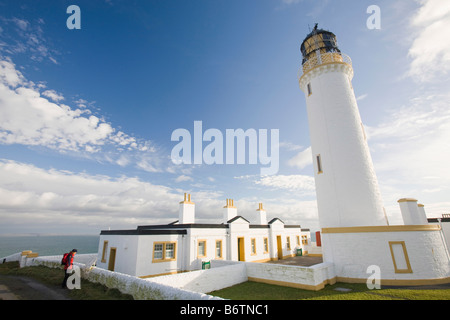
(311, 278)
(193, 285)
(218, 277)
(140, 289)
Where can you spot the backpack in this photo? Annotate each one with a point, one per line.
(64, 259)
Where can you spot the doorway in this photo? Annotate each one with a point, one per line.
(112, 259)
(279, 248)
(241, 249)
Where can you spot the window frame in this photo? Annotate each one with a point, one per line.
(266, 245)
(253, 246)
(164, 250)
(198, 248)
(220, 255)
(105, 251)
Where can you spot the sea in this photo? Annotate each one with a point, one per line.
(48, 245)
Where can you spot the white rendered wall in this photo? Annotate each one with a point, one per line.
(347, 190)
(445, 232)
(353, 253)
(210, 235)
(278, 229)
(146, 266)
(126, 251)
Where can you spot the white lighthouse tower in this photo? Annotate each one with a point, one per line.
(355, 233)
(346, 184)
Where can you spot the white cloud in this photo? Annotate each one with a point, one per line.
(430, 51)
(411, 152)
(26, 37)
(27, 117)
(9, 76)
(290, 146)
(29, 193)
(70, 202)
(415, 139)
(361, 97)
(288, 2)
(52, 94)
(289, 182)
(22, 24)
(302, 159)
(183, 178)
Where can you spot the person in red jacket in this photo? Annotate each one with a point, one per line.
(68, 266)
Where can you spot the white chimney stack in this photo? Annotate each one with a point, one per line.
(230, 211)
(411, 213)
(422, 214)
(261, 215)
(187, 210)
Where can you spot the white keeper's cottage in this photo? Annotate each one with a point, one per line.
(184, 245)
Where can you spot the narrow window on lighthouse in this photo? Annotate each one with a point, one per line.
(309, 89)
(319, 164)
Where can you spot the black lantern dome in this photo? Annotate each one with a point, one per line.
(318, 40)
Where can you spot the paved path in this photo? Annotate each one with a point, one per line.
(23, 288)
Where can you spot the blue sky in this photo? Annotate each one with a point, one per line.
(86, 116)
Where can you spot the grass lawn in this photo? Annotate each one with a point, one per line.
(261, 291)
(52, 277)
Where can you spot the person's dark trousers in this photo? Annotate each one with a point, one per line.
(66, 276)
